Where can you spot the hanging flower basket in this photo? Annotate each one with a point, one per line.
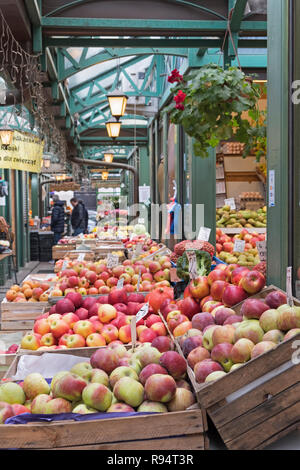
(210, 103)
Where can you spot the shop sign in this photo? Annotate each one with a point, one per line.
(25, 153)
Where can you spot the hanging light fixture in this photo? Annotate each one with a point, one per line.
(117, 102)
(108, 157)
(113, 128)
(47, 162)
(104, 175)
(6, 136)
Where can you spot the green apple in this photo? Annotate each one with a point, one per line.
(152, 407)
(130, 391)
(120, 372)
(69, 386)
(97, 396)
(82, 409)
(38, 405)
(218, 374)
(58, 376)
(83, 369)
(12, 393)
(35, 384)
(57, 406)
(100, 377)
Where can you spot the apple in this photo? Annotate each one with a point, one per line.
(31, 341)
(290, 334)
(57, 406)
(83, 409)
(152, 407)
(48, 340)
(110, 333)
(120, 408)
(41, 327)
(122, 371)
(261, 348)
(69, 387)
(39, 402)
(118, 296)
(99, 376)
(75, 341)
(182, 328)
(11, 393)
(253, 308)
(268, 320)
(83, 328)
(288, 317)
(83, 369)
(132, 362)
(201, 320)
(233, 295)
(154, 267)
(275, 299)
(222, 353)
(160, 387)
(223, 334)
(216, 275)
(105, 359)
(148, 355)
(199, 287)
(153, 318)
(222, 314)
(94, 340)
(191, 343)
(97, 396)
(237, 274)
(59, 328)
(215, 376)
(235, 366)
(204, 368)
(249, 329)
(253, 282)
(6, 411)
(217, 288)
(211, 305)
(182, 400)
(149, 370)
(189, 307)
(64, 306)
(276, 336)
(147, 335)
(207, 340)
(174, 319)
(70, 318)
(34, 384)
(233, 320)
(130, 391)
(183, 384)
(174, 364)
(162, 343)
(82, 291)
(106, 313)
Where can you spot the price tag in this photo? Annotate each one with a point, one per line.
(64, 265)
(289, 292)
(139, 280)
(141, 220)
(262, 250)
(112, 260)
(239, 246)
(192, 264)
(81, 257)
(204, 234)
(120, 283)
(230, 202)
(142, 312)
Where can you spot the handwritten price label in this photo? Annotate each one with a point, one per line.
(231, 203)
(262, 250)
(112, 260)
(239, 246)
(204, 234)
(81, 257)
(120, 283)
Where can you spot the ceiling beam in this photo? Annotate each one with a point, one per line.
(34, 12)
(237, 15)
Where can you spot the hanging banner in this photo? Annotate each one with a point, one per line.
(25, 153)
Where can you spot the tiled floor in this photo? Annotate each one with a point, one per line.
(290, 442)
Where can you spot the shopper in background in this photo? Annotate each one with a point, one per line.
(78, 218)
(57, 219)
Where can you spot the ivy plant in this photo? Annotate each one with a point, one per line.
(210, 103)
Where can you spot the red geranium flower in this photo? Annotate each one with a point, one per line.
(180, 106)
(180, 97)
(175, 76)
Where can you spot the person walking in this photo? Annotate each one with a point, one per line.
(78, 217)
(57, 219)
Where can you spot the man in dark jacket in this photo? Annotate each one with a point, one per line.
(57, 219)
(78, 217)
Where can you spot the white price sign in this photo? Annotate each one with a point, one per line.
(142, 312)
(231, 203)
(81, 257)
(191, 255)
(112, 260)
(120, 283)
(204, 234)
(239, 246)
(289, 292)
(141, 220)
(262, 250)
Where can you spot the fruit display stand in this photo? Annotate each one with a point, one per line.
(20, 315)
(183, 430)
(72, 255)
(258, 403)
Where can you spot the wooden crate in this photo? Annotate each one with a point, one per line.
(7, 359)
(258, 403)
(185, 430)
(60, 251)
(40, 277)
(20, 315)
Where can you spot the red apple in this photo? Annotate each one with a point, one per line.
(204, 368)
(199, 287)
(201, 320)
(253, 308)
(162, 343)
(233, 295)
(253, 282)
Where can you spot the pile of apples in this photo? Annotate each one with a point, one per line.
(11, 350)
(96, 278)
(29, 291)
(221, 342)
(74, 322)
(114, 380)
(225, 286)
(225, 247)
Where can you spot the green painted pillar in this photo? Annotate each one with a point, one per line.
(19, 222)
(278, 131)
(165, 152)
(144, 173)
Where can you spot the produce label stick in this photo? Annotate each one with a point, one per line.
(289, 293)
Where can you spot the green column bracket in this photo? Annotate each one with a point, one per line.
(37, 39)
(278, 129)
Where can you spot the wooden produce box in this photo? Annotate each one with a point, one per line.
(7, 338)
(184, 430)
(60, 251)
(20, 315)
(40, 277)
(258, 403)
